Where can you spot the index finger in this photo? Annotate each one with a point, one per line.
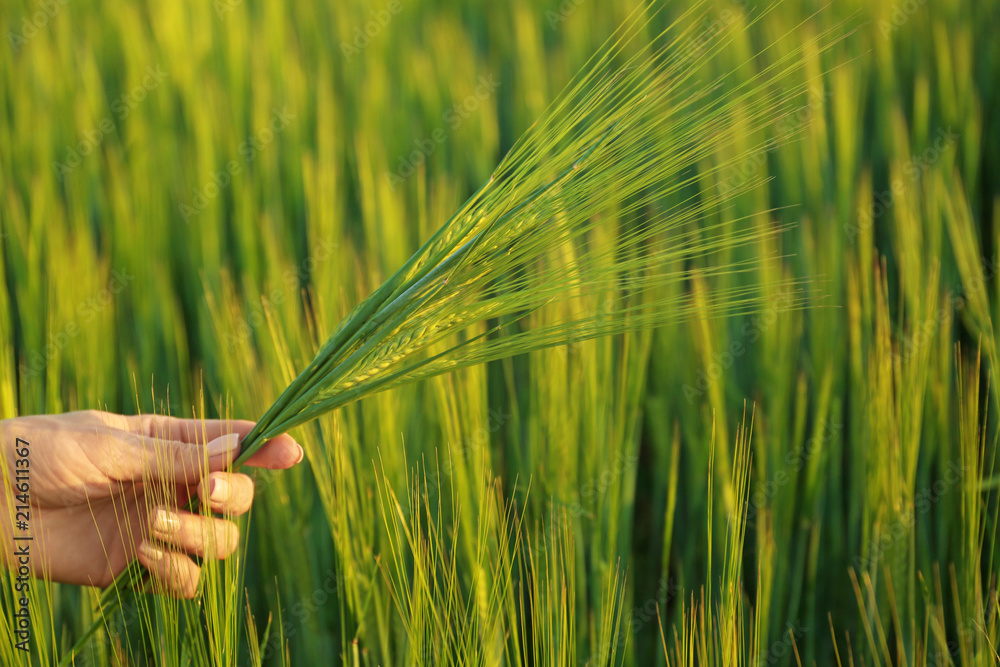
(279, 452)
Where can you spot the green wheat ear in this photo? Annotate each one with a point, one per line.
(599, 209)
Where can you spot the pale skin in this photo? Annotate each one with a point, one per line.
(106, 489)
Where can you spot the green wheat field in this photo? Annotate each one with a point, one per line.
(796, 466)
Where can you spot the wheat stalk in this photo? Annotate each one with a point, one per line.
(609, 178)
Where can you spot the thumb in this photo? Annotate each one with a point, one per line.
(132, 457)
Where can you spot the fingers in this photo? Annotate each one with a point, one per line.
(277, 454)
(206, 536)
(172, 572)
(129, 457)
(173, 534)
(194, 431)
(226, 493)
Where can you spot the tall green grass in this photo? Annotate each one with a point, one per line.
(575, 505)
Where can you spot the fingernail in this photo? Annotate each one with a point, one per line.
(165, 522)
(299, 454)
(224, 445)
(218, 490)
(150, 552)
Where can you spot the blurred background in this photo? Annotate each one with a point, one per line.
(193, 194)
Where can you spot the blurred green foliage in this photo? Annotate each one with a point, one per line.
(194, 194)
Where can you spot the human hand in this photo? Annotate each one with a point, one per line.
(105, 489)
